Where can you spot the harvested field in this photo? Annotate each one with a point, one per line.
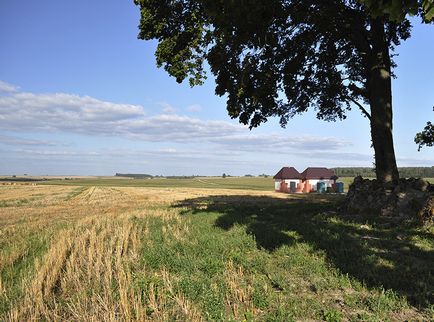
(140, 253)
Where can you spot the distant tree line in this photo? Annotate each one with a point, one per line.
(150, 176)
(180, 177)
(404, 172)
(134, 175)
(17, 179)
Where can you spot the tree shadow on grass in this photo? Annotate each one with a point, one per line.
(401, 259)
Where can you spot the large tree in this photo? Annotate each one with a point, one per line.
(281, 57)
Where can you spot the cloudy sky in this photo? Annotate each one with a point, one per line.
(81, 95)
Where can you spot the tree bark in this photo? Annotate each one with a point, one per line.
(380, 98)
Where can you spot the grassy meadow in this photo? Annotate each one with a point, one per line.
(243, 183)
(217, 249)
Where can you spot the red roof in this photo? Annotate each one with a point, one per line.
(317, 173)
(287, 173)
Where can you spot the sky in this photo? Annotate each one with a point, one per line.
(81, 95)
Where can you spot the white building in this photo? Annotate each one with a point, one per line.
(289, 180)
(311, 176)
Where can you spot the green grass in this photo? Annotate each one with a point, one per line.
(31, 246)
(205, 182)
(291, 259)
(16, 202)
(301, 260)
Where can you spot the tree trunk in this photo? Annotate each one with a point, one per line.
(380, 98)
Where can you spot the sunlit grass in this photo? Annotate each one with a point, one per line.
(135, 253)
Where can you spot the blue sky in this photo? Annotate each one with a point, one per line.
(81, 95)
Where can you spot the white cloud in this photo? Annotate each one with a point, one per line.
(156, 156)
(57, 153)
(280, 143)
(26, 108)
(107, 162)
(179, 128)
(194, 108)
(167, 108)
(411, 162)
(62, 112)
(12, 140)
(67, 113)
(8, 88)
(335, 158)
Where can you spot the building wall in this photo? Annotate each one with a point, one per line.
(305, 186)
(328, 183)
(278, 184)
(288, 181)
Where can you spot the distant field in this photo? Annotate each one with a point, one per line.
(105, 253)
(244, 183)
(248, 183)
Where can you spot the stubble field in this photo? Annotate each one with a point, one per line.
(99, 252)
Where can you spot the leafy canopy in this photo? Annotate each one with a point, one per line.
(270, 57)
(426, 137)
(398, 9)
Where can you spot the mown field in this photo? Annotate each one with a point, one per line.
(104, 251)
(245, 183)
(241, 183)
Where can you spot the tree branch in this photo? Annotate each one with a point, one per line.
(360, 106)
(357, 90)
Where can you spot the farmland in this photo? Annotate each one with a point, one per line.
(249, 183)
(240, 183)
(203, 249)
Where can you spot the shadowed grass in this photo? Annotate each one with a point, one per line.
(399, 259)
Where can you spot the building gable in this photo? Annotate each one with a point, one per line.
(287, 173)
(317, 173)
